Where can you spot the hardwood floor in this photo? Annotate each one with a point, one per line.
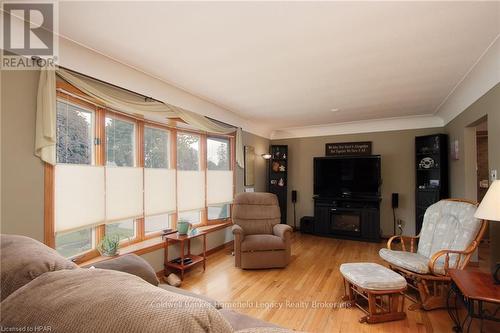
(303, 296)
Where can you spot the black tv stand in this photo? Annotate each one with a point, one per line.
(356, 218)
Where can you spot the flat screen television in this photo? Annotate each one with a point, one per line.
(347, 176)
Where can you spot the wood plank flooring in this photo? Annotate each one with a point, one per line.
(303, 296)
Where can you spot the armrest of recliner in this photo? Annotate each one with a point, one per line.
(284, 231)
(238, 231)
(239, 234)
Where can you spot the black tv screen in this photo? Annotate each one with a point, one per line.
(347, 176)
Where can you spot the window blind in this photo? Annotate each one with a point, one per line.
(219, 187)
(124, 193)
(159, 191)
(190, 190)
(78, 197)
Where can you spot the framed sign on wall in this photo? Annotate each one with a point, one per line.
(348, 148)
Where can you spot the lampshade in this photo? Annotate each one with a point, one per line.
(489, 209)
(266, 156)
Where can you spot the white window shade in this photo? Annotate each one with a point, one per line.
(219, 187)
(190, 190)
(159, 191)
(124, 193)
(79, 196)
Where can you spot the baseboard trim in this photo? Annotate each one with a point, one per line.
(220, 247)
(228, 245)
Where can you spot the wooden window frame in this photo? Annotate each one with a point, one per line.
(75, 96)
(232, 167)
(172, 136)
(138, 162)
(201, 167)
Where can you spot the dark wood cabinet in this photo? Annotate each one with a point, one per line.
(431, 165)
(357, 219)
(278, 176)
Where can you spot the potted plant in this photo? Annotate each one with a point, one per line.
(109, 245)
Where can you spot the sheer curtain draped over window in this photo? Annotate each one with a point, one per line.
(46, 112)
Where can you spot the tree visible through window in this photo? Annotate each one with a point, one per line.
(219, 212)
(188, 152)
(74, 134)
(156, 148)
(72, 243)
(120, 142)
(124, 229)
(218, 153)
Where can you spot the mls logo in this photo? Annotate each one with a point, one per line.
(28, 30)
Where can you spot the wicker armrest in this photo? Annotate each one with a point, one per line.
(404, 241)
(462, 259)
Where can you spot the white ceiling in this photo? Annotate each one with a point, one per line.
(289, 64)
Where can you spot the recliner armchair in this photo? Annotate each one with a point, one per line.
(260, 241)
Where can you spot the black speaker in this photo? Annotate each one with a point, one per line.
(307, 224)
(294, 196)
(395, 200)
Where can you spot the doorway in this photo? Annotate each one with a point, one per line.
(482, 170)
(477, 173)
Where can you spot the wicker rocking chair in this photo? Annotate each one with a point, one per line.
(450, 234)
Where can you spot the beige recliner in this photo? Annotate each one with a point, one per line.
(260, 241)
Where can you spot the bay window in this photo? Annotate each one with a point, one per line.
(156, 223)
(124, 230)
(219, 178)
(75, 136)
(120, 142)
(156, 148)
(74, 126)
(128, 177)
(159, 180)
(190, 178)
(76, 242)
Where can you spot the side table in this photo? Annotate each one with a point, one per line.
(193, 259)
(474, 289)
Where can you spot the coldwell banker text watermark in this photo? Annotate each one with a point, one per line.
(29, 34)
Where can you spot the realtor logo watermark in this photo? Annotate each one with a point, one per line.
(29, 34)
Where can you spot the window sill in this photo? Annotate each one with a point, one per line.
(151, 244)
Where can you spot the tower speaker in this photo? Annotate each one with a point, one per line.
(294, 196)
(395, 200)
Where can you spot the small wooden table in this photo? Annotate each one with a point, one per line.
(474, 289)
(182, 239)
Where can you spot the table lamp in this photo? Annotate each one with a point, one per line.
(489, 209)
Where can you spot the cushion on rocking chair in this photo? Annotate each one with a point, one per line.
(411, 261)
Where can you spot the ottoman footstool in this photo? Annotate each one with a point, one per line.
(380, 286)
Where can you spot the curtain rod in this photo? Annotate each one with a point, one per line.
(111, 84)
(146, 98)
(132, 92)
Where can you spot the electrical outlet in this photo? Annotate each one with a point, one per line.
(493, 175)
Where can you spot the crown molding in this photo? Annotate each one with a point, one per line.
(356, 127)
(483, 75)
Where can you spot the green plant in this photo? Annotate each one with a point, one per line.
(109, 245)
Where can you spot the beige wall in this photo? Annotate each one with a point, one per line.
(398, 172)
(261, 146)
(488, 105)
(22, 173)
